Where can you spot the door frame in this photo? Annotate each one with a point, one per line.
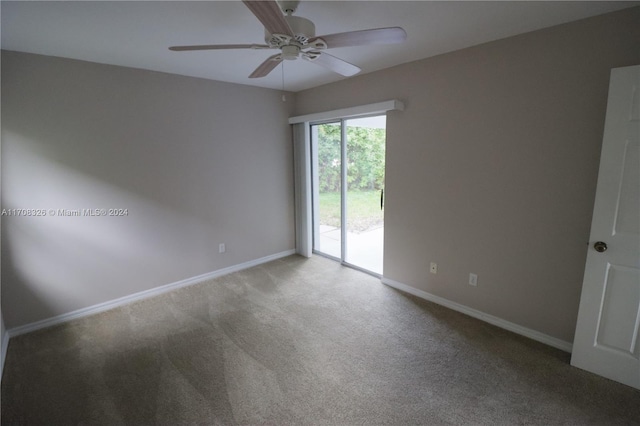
(302, 163)
(343, 190)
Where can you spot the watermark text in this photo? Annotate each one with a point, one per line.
(88, 212)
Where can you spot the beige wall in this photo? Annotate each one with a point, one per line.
(492, 167)
(195, 162)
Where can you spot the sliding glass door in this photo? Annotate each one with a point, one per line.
(348, 184)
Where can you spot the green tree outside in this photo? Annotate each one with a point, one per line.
(365, 176)
(365, 162)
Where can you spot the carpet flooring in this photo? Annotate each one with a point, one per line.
(302, 342)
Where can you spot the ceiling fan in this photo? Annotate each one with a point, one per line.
(295, 37)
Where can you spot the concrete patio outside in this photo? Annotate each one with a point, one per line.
(364, 249)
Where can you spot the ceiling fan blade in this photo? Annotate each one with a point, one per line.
(267, 66)
(218, 47)
(268, 12)
(390, 35)
(332, 63)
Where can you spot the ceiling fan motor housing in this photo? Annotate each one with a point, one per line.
(302, 28)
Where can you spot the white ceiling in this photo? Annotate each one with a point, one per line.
(137, 34)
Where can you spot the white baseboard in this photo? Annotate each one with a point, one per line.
(101, 307)
(499, 322)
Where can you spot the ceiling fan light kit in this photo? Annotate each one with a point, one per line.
(296, 38)
(290, 52)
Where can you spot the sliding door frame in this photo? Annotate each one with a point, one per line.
(315, 191)
(303, 173)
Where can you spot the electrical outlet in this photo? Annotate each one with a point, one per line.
(473, 280)
(222, 248)
(434, 268)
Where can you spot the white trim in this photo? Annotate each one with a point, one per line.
(302, 189)
(499, 322)
(101, 307)
(356, 111)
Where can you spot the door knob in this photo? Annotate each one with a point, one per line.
(600, 246)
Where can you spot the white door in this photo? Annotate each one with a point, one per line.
(607, 333)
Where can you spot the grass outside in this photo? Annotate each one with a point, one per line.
(363, 210)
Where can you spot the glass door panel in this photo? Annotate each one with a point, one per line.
(327, 183)
(365, 166)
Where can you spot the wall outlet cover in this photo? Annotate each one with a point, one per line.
(473, 280)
